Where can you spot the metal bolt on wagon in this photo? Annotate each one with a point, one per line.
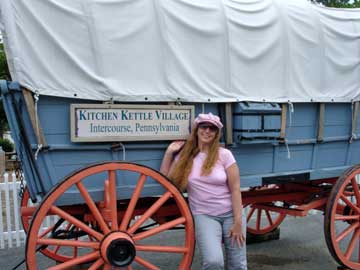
(100, 88)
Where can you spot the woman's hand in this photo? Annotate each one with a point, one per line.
(174, 147)
(167, 161)
(236, 234)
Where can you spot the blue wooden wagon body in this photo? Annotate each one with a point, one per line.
(262, 155)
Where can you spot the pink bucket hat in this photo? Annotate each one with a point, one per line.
(208, 118)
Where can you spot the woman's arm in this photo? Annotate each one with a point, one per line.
(234, 186)
(167, 163)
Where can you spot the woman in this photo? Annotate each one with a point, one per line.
(211, 177)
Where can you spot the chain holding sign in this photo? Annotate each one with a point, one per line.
(115, 122)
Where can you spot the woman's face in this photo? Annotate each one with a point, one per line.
(206, 133)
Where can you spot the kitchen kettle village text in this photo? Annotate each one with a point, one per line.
(101, 121)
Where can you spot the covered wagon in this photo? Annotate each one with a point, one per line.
(99, 88)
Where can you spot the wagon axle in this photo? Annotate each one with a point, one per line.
(118, 249)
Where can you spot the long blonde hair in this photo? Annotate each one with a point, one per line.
(182, 169)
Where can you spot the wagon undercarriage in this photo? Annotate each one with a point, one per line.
(338, 199)
(78, 237)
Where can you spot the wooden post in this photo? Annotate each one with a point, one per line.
(320, 134)
(283, 121)
(33, 117)
(228, 123)
(2, 162)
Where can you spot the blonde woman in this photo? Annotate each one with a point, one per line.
(211, 177)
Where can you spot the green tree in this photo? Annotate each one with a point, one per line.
(340, 3)
(4, 75)
(4, 70)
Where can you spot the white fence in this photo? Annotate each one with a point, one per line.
(11, 231)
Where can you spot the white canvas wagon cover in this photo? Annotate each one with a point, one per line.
(188, 50)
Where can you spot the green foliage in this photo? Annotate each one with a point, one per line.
(340, 3)
(6, 145)
(4, 75)
(4, 125)
(4, 70)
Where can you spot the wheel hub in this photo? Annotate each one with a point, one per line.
(118, 249)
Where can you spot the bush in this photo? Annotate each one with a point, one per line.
(4, 69)
(6, 145)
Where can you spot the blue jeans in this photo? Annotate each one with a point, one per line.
(210, 232)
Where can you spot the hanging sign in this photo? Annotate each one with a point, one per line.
(114, 122)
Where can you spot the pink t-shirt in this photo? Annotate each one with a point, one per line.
(210, 194)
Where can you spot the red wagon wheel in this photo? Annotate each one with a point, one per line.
(25, 202)
(260, 221)
(113, 238)
(55, 253)
(342, 219)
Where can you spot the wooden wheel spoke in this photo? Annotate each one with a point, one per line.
(76, 222)
(258, 219)
(356, 190)
(96, 264)
(262, 220)
(67, 243)
(161, 228)
(145, 263)
(346, 232)
(252, 210)
(352, 243)
(348, 193)
(76, 261)
(56, 249)
(75, 252)
(75, 247)
(269, 217)
(90, 238)
(46, 232)
(67, 228)
(113, 200)
(350, 204)
(134, 198)
(351, 217)
(150, 211)
(92, 207)
(166, 249)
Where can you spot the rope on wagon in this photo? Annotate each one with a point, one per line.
(355, 114)
(124, 151)
(288, 149)
(283, 124)
(291, 110)
(39, 146)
